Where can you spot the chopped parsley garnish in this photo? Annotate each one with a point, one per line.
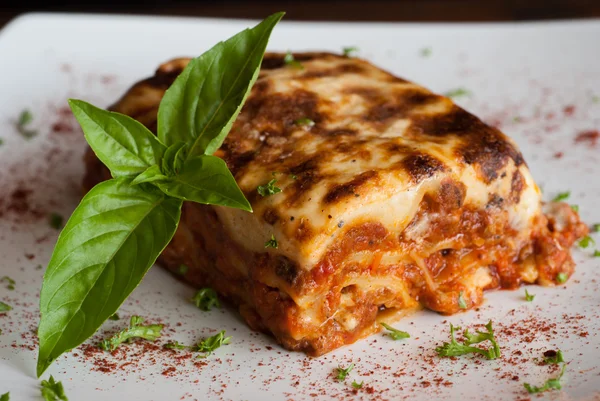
(292, 62)
(550, 384)
(304, 121)
(135, 330)
(294, 176)
(596, 253)
(454, 348)
(5, 397)
(25, 118)
(562, 278)
(114, 316)
(553, 357)
(53, 390)
(175, 345)
(459, 92)
(205, 299)
(1, 143)
(356, 385)
(529, 297)
(575, 208)
(4, 307)
(183, 269)
(342, 373)
(56, 221)
(462, 304)
(10, 283)
(208, 345)
(350, 51)
(596, 227)
(272, 243)
(586, 241)
(425, 52)
(562, 196)
(395, 333)
(268, 189)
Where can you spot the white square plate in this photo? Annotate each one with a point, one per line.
(540, 82)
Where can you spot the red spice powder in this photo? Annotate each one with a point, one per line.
(589, 137)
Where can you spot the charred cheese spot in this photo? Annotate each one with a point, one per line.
(421, 166)
(404, 103)
(495, 200)
(451, 194)
(345, 68)
(286, 269)
(271, 216)
(277, 112)
(349, 189)
(517, 185)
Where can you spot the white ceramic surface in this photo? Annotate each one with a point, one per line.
(540, 82)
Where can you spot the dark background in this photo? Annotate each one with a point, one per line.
(328, 10)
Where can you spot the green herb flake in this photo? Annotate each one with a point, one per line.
(596, 253)
(4, 307)
(272, 243)
(562, 196)
(595, 99)
(575, 208)
(350, 51)
(205, 299)
(462, 304)
(294, 176)
(268, 189)
(5, 397)
(562, 278)
(183, 269)
(596, 227)
(395, 333)
(586, 241)
(454, 348)
(53, 390)
(292, 62)
(459, 92)
(25, 118)
(10, 283)
(342, 373)
(175, 345)
(1, 143)
(356, 385)
(553, 357)
(307, 122)
(425, 52)
(529, 297)
(549, 385)
(114, 316)
(135, 330)
(56, 221)
(208, 345)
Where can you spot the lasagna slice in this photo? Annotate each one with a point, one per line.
(372, 197)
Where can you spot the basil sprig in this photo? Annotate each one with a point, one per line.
(122, 225)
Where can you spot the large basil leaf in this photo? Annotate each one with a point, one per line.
(109, 243)
(205, 99)
(123, 144)
(206, 179)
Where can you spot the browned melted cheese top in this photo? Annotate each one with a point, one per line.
(377, 145)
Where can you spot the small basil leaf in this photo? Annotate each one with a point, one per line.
(152, 173)
(173, 158)
(109, 243)
(201, 105)
(123, 144)
(206, 179)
